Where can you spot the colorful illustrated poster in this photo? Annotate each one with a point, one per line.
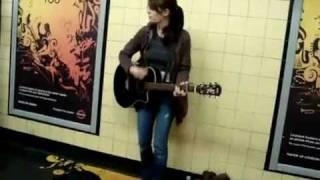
(299, 135)
(57, 59)
(301, 143)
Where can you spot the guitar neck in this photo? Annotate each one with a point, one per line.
(164, 87)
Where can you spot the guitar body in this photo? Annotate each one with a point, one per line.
(128, 91)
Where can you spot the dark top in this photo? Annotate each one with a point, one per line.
(157, 55)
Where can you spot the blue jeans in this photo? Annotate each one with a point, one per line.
(154, 160)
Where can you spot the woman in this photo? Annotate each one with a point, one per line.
(164, 45)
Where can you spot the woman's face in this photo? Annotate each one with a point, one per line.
(157, 17)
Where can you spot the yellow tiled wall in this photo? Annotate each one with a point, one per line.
(237, 43)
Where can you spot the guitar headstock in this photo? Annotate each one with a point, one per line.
(211, 89)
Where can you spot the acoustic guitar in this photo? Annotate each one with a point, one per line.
(128, 91)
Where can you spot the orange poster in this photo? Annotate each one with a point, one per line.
(57, 61)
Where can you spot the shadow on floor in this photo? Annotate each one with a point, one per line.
(18, 163)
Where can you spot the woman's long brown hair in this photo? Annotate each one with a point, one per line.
(176, 18)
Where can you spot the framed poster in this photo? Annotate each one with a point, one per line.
(0, 17)
(57, 60)
(294, 146)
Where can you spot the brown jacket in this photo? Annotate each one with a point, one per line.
(183, 61)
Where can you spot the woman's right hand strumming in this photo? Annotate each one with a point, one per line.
(138, 72)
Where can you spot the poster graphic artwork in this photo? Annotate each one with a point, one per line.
(301, 144)
(57, 60)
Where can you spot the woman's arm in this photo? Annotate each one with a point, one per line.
(133, 46)
(183, 66)
(185, 63)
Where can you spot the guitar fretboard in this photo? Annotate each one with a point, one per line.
(165, 87)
